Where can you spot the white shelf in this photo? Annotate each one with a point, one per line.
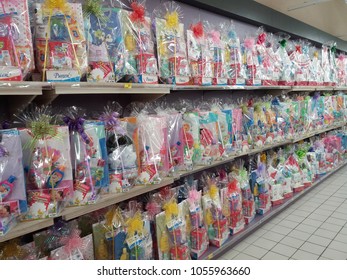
(111, 199)
(26, 227)
(23, 88)
(109, 88)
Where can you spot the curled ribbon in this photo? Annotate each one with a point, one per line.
(111, 121)
(3, 151)
(138, 13)
(261, 38)
(77, 125)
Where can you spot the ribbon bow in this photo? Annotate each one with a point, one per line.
(77, 125)
(261, 38)
(138, 13)
(283, 43)
(3, 151)
(72, 242)
(5, 124)
(198, 30)
(111, 121)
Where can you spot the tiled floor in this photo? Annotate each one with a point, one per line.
(314, 227)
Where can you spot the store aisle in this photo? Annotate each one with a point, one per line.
(314, 227)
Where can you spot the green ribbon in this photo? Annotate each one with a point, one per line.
(93, 7)
(283, 43)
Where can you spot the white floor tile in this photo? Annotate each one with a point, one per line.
(243, 256)
(284, 250)
(288, 224)
(265, 243)
(312, 222)
(334, 255)
(230, 255)
(251, 238)
(312, 248)
(325, 233)
(323, 212)
(324, 258)
(341, 237)
(306, 228)
(268, 226)
(338, 215)
(274, 256)
(240, 246)
(299, 234)
(303, 255)
(255, 251)
(332, 203)
(295, 218)
(330, 227)
(336, 221)
(273, 236)
(259, 232)
(338, 246)
(319, 240)
(301, 213)
(292, 242)
(281, 229)
(317, 217)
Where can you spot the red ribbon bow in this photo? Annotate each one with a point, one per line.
(138, 13)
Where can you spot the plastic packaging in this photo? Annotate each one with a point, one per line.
(140, 61)
(232, 197)
(237, 129)
(209, 136)
(109, 236)
(171, 44)
(215, 222)
(74, 247)
(259, 184)
(17, 57)
(153, 143)
(122, 148)
(200, 56)
(252, 62)
(105, 43)
(233, 56)
(216, 47)
(174, 139)
(224, 128)
(171, 231)
(89, 157)
(286, 76)
(47, 165)
(12, 187)
(60, 44)
(191, 140)
(138, 239)
(198, 235)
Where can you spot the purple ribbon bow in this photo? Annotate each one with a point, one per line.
(5, 124)
(3, 151)
(77, 125)
(111, 121)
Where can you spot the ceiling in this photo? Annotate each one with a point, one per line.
(327, 15)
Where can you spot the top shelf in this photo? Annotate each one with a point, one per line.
(38, 88)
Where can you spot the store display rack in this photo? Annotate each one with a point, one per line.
(260, 220)
(106, 200)
(39, 88)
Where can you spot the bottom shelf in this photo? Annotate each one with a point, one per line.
(260, 220)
